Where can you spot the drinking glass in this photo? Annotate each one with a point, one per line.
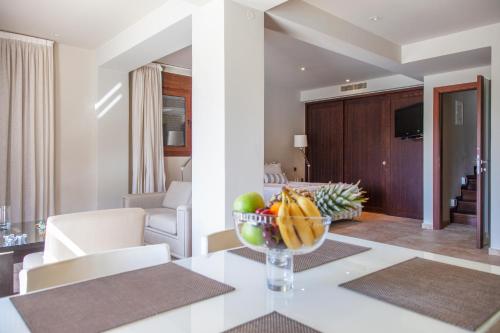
(279, 258)
(4, 217)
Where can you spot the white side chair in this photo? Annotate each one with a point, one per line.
(92, 266)
(168, 217)
(222, 240)
(73, 235)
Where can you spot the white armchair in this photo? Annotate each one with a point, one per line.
(73, 235)
(168, 217)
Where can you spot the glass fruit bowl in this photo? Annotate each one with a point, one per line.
(280, 238)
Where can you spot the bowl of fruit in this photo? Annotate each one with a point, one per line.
(289, 227)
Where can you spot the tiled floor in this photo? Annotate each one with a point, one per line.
(456, 240)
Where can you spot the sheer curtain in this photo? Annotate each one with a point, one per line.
(26, 126)
(148, 173)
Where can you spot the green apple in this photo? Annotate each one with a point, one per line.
(248, 202)
(252, 234)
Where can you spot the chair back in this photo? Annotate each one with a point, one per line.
(72, 235)
(222, 240)
(178, 194)
(92, 266)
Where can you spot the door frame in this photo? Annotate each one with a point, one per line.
(437, 221)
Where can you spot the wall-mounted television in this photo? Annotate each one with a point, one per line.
(409, 121)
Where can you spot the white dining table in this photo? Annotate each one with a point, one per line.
(316, 301)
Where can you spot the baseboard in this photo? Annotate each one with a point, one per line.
(427, 226)
(494, 252)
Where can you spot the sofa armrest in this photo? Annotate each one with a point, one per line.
(143, 200)
(184, 227)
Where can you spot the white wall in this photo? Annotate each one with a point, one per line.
(112, 137)
(75, 129)
(173, 166)
(430, 82)
(284, 117)
(459, 145)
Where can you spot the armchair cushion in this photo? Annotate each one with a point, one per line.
(163, 219)
(178, 194)
(143, 200)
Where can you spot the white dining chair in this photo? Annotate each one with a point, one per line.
(73, 235)
(92, 266)
(222, 240)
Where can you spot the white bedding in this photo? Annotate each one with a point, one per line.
(271, 189)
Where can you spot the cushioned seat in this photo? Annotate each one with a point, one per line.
(168, 216)
(163, 219)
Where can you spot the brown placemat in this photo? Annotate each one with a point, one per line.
(273, 322)
(456, 295)
(330, 251)
(105, 303)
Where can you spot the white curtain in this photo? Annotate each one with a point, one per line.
(26, 126)
(148, 173)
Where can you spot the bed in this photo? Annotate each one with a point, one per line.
(272, 188)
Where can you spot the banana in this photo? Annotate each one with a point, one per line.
(302, 226)
(310, 210)
(285, 225)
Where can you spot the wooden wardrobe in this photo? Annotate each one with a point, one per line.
(353, 139)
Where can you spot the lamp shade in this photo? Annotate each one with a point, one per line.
(300, 141)
(175, 138)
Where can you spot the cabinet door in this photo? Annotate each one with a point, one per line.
(366, 153)
(326, 143)
(405, 185)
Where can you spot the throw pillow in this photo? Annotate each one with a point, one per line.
(275, 178)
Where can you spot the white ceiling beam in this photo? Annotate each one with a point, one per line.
(165, 30)
(315, 26)
(464, 41)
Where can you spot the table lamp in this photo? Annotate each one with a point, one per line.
(300, 142)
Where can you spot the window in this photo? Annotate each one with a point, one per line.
(176, 120)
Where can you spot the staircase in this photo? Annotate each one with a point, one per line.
(465, 211)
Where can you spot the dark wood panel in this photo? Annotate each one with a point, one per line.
(366, 153)
(6, 274)
(405, 183)
(324, 127)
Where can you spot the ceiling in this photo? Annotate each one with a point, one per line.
(284, 56)
(85, 24)
(405, 21)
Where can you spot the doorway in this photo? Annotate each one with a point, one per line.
(461, 154)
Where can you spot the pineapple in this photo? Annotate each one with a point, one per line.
(339, 197)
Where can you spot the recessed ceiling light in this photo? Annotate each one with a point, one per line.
(347, 80)
(303, 68)
(375, 18)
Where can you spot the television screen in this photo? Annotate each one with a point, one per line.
(409, 121)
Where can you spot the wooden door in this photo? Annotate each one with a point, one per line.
(405, 184)
(366, 148)
(482, 159)
(324, 128)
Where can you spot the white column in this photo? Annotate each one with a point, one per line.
(495, 145)
(228, 112)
